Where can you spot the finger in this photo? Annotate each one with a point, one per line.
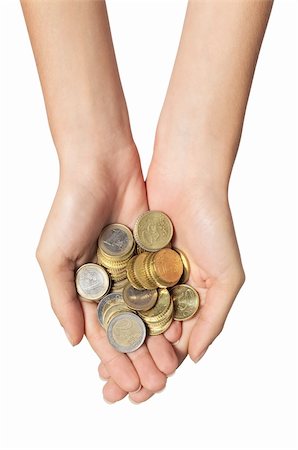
(173, 333)
(151, 377)
(112, 392)
(162, 353)
(211, 318)
(59, 276)
(118, 364)
(103, 372)
(141, 396)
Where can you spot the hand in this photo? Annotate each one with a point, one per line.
(88, 198)
(204, 231)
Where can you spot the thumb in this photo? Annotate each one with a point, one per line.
(212, 316)
(59, 277)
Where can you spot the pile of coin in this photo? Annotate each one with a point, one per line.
(116, 246)
(139, 281)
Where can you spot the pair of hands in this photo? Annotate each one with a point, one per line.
(112, 189)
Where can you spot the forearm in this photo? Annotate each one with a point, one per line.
(207, 96)
(73, 49)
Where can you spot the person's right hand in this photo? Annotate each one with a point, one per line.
(91, 194)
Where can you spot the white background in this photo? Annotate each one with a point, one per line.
(242, 393)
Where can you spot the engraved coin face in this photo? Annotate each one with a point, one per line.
(116, 240)
(168, 265)
(92, 281)
(186, 301)
(106, 302)
(153, 230)
(139, 300)
(126, 332)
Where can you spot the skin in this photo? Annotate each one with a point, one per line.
(89, 122)
(199, 130)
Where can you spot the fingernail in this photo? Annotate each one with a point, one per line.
(138, 390)
(177, 342)
(197, 359)
(68, 337)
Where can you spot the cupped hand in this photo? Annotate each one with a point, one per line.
(87, 199)
(204, 231)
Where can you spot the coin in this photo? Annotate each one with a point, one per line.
(153, 230)
(139, 300)
(140, 271)
(92, 281)
(162, 325)
(161, 305)
(105, 302)
(186, 301)
(131, 274)
(118, 286)
(112, 311)
(186, 265)
(167, 266)
(126, 332)
(116, 240)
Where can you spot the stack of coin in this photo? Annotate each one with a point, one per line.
(159, 318)
(149, 270)
(139, 281)
(116, 246)
(111, 305)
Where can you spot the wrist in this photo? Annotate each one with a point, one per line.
(96, 161)
(197, 155)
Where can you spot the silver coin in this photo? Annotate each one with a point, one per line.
(92, 281)
(106, 302)
(116, 240)
(126, 332)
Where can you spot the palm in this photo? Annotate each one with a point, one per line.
(79, 212)
(204, 231)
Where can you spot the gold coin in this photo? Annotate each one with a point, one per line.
(159, 318)
(131, 274)
(163, 324)
(160, 307)
(114, 262)
(186, 265)
(139, 271)
(153, 230)
(139, 300)
(149, 274)
(112, 310)
(116, 240)
(167, 266)
(186, 301)
(118, 286)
